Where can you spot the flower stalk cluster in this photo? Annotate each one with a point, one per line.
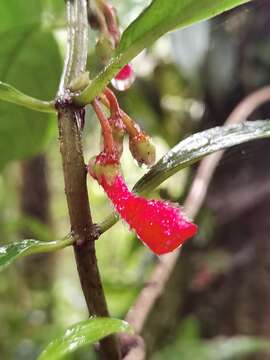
(160, 225)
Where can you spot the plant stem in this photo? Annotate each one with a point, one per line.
(75, 172)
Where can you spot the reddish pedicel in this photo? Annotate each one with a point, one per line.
(161, 226)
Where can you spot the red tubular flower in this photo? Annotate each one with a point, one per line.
(161, 226)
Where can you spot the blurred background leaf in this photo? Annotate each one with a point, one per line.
(14, 14)
(188, 345)
(222, 278)
(30, 61)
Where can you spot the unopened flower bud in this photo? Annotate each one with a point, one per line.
(104, 48)
(104, 167)
(142, 149)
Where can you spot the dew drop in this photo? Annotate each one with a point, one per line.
(3, 250)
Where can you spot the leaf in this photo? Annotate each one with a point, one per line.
(233, 348)
(30, 61)
(15, 13)
(55, 7)
(160, 17)
(196, 146)
(220, 348)
(54, 12)
(193, 149)
(19, 249)
(10, 94)
(84, 333)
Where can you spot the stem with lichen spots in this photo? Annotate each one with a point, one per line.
(74, 168)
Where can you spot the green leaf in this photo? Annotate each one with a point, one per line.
(30, 61)
(238, 347)
(196, 146)
(193, 149)
(160, 17)
(84, 333)
(15, 13)
(235, 347)
(56, 7)
(54, 13)
(10, 94)
(188, 344)
(19, 249)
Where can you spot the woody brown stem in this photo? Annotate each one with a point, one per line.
(69, 116)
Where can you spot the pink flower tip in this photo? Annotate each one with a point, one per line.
(124, 79)
(125, 73)
(161, 226)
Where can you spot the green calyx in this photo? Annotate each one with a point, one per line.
(142, 149)
(104, 166)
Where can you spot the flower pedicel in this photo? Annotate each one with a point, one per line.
(160, 225)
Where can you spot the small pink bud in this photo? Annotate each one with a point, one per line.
(161, 226)
(124, 79)
(104, 167)
(125, 73)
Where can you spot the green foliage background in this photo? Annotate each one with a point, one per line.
(166, 102)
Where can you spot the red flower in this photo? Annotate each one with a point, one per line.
(161, 226)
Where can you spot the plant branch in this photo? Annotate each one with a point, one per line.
(149, 295)
(98, 83)
(198, 187)
(69, 116)
(10, 94)
(75, 62)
